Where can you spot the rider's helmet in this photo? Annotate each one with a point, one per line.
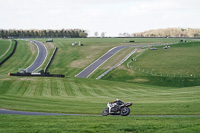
(117, 99)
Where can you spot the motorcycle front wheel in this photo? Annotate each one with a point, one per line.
(105, 112)
(125, 111)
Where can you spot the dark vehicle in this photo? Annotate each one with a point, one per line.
(122, 109)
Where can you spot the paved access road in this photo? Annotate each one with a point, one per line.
(12, 112)
(91, 68)
(42, 54)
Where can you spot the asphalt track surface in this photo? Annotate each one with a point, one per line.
(42, 54)
(91, 68)
(12, 112)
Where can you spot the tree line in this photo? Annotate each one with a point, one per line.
(63, 33)
(170, 32)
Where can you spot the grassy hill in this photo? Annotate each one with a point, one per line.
(90, 96)
(23, 57)
(178, 59)
(71, 60)
(4, 45)
(175, 66)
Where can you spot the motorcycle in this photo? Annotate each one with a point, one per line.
(122, 110)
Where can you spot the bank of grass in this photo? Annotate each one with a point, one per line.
(179, 59)
(4, 45)
(93, 124)
(176, 66)
(22, 58)
(6, 48)
(88, 96)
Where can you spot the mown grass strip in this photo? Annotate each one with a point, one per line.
(5, 46)
(68, 89)
(54, 88)
(61, 88)
(76, 89)
(31, 89)
(9, 53)
(46, 88)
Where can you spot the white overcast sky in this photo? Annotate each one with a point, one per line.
(110, 16)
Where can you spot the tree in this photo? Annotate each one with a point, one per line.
(82, 34)
(1, 33)
(196, 35)
(96, 33)
(103, 34)
(43, 33)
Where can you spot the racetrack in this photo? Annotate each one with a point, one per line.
(42, 54)
(12, 112)
(91, 68)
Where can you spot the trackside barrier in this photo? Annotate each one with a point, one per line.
(37, 75)
(10, 53)
(47, 66)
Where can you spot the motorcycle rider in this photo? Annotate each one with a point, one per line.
(115, 104)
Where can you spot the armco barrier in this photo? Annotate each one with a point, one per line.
(46, 68)
(36, 75)
(10, 53)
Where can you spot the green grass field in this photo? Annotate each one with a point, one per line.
(22, 58)
(90, 96)
(178, 59)
(175, 66)
(93, 124)
(6, 47)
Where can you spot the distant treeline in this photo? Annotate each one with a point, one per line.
(72, 33)
(170, 32)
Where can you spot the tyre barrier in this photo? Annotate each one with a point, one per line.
(10, 53)
(36, 75)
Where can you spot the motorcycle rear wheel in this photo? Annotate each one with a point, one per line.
(125, 111)
(105, 112)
